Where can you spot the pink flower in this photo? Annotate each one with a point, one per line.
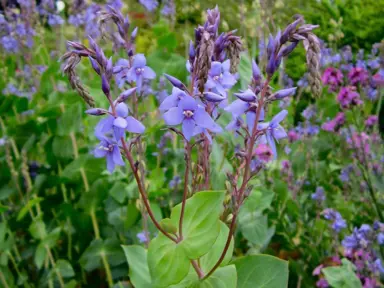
(264, 153)
(348, 97)
(332, 77)
(335, 124)
(378, 78)
(360, 141)
(358, 75)
(293, 136)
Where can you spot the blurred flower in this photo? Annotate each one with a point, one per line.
(358, 76)
(142, 236)
(348, 97)
(335, 124)
(149, 5)
(371, 121)
(309, 112)
(319, 195)
(338, 223)
(333, 78)
(263, 153)
(176, 180)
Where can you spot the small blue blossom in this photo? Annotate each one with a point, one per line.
(140, 71)
(338, 222)
(319, 195)
(142, 236)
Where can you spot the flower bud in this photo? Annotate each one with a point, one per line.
(124, 96)
(96, 111)
(247, 95)
(175, 82)
(95, 65)
(105, 84)
(213, 97)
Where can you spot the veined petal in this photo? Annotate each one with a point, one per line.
(188, 103)
(188, 127)
(250, 117)
(118, 133)
(173, 116)
(105, 125)
(203, 119)
(139, 61)
(110, 162)
(134, 125)
(237, 107)
(169, 102)
(215, 69)
(279, 133)
(278, 118)
(226, 65)
(122, 110)
(116, 156)
(120, 122)
(149, 73)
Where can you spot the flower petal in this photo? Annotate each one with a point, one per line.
(226, 65)
(118, 133)
(134, 125)
(122, 110)
(105, 125)
(110, 162)
(279, 133)
(271, 143)
(139, 61)
(120, 122)
(237, 107)
(188, 127)
(169, 102)
(99, 152)
(173, 116)
(250, 117)
(116, 156)
(247, 96)
(215, 69)
(149, 73)
(203, 119)
(139, 82)
(278, 118)
(188, 103)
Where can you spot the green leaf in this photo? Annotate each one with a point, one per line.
(245, 70)
(138, 266)
(40, 255)
(342, 276)
(167, 261)
(224, 277)
(201, 224)
(3, 208)
(28, 206)
(37, 229)
(65, 268)
(209, 260)
(261, 271)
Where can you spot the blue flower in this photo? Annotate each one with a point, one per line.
(121, 123)
(190, 114)
(110, 150)
(172, 100)
(274, 131)
(150, 5)
(140, 71)
(219, 78)
(338, 223)
(319, 194)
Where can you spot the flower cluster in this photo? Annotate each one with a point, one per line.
(338, 222)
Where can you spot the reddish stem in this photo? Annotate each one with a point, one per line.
(142, 192)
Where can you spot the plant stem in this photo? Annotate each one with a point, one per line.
(2, 278)
(239, 198)
(94, 223)
(59, 276)
(107, 269)
(197, 268)
(226, 247)
(185, 193)
(142, 191)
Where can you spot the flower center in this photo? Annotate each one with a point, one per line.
(139, 70)
(216, 78)
(188, 113)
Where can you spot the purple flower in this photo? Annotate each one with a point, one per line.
(319, 195)
(371, 121)
(338, 223)
(274, 131)
(335, 124)
(235, 124)
(322, 283)
(247, 103)
(55, 20)
(348, 97)
(358, 75)
(380, 238)
(332, 77)
(10, 44)
(149, 5)
(143, 237)
(309, 112)
(140, 71)
(176, 180)
(169, 8)
(190, 114)
(121, 123)
(219, 78)
(172, 100)
(110, 150)
(263, 153)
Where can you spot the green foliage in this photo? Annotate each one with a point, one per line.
(342, 276)
(261, 271)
